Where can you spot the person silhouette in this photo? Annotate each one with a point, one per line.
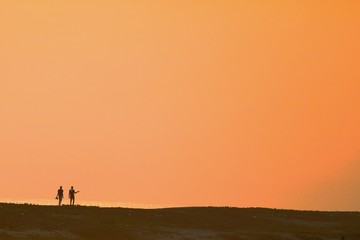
(72, 193)
(60, 195)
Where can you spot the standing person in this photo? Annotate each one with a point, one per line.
(60, 195)
(72, 193)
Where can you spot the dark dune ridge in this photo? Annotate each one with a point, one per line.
(22, 221)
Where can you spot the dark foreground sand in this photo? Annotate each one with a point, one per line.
(18, 221)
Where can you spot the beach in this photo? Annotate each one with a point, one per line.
(24, 221)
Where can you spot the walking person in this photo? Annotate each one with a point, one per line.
(72, 193)
(60, 195)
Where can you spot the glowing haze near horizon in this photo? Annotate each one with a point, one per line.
(235, 103)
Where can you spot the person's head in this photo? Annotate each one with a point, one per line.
(72, 187)
(60, 187)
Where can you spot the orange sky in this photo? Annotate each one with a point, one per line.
(237, 103)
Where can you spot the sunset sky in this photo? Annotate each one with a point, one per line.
(225, 103)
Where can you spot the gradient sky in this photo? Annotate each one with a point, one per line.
(236, 103)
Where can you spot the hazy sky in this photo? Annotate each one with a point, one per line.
(237, 103)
